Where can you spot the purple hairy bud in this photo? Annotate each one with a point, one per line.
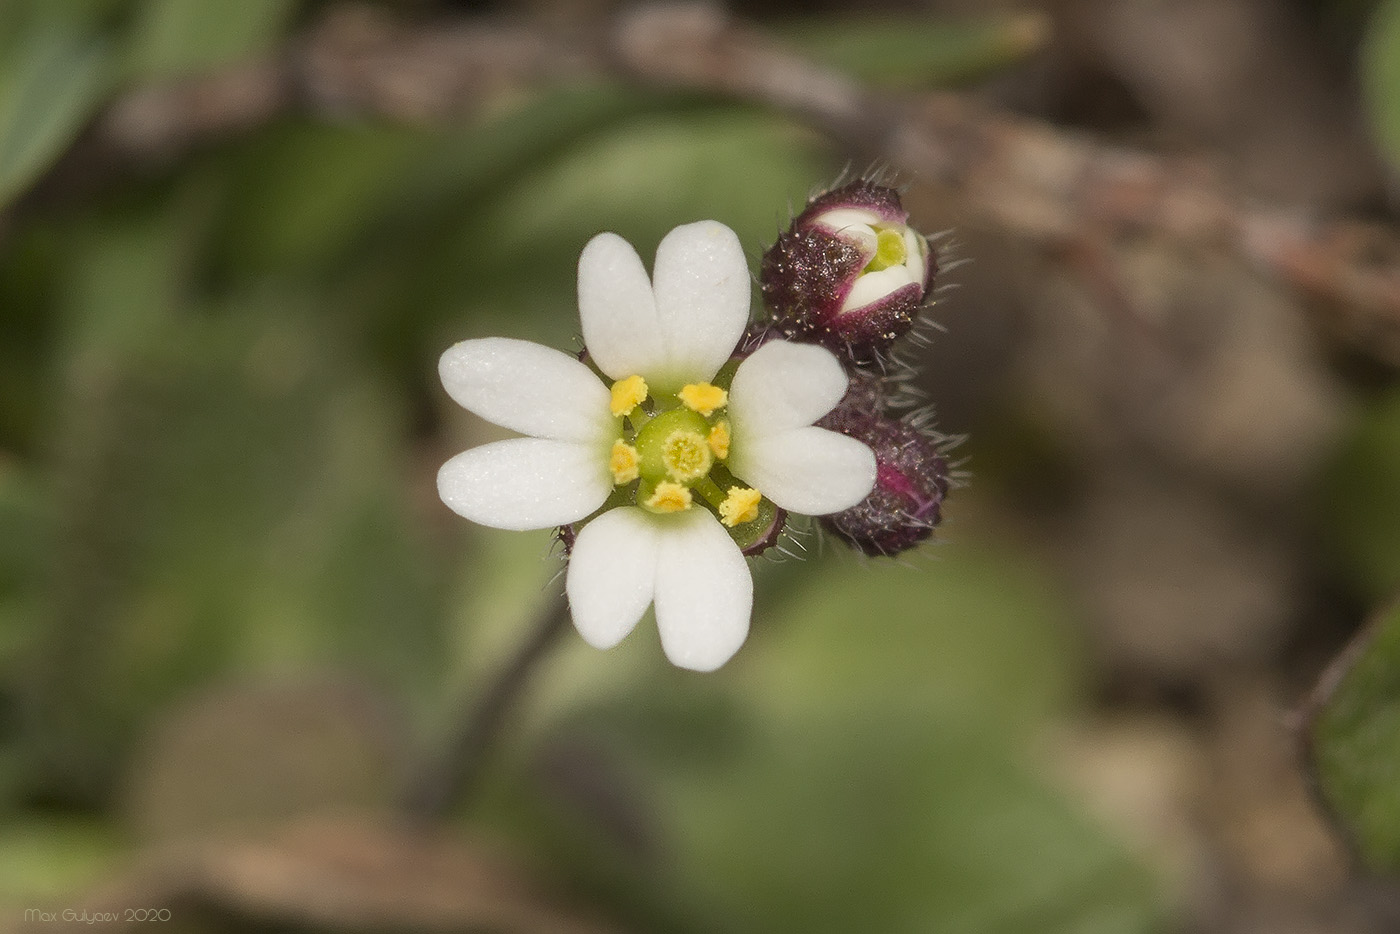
(911, 478)
(849, 272)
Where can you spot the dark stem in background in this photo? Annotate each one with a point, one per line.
(449, 778)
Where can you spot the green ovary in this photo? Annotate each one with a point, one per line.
(673, 446)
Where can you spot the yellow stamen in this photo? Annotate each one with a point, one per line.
(719, 440)
(686, 456)
(740, 506)
(623, 462)
(703, 398)
(669, 497)
(627, 394)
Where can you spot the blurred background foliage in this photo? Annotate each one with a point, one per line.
(230, 599)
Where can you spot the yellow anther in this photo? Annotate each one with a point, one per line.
(719, 440)
(703, 398)
(686, 456)
(669, 497)
(740, 506)
(623, 462)
(627, 394)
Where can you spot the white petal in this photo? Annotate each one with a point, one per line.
(704, 592)
(845, 218)
(782, 386)
(807, 470)
(916, 258)
(612, 569)
(617, 309)
(874, 286)
(702, 300)
(526, 483)
(853, 225)
(528, 388)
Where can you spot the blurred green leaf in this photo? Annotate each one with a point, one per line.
(645, 176)
(51, 81)
(861, 764)
(171, 37)
(26, 537)
(1361, 500)
(716, 821)
(890, 824)
(125, 276)
(303, 193)
(914, 50)
(233, 507)
(965, 636)
(19, 16)
(25, 517)
(1380, 76)
(308, 190)
(421, 239)
(1354, 735)
(27, 266)
(231, 497)
(47, 858)
(638, 178)
(373, 213)
(518, 139)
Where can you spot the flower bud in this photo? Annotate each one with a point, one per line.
(849, 272)
(911, 478)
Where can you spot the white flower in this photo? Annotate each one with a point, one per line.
(678, 457)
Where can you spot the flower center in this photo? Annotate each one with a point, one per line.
(674, 447)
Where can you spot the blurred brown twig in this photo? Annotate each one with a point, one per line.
(1001, 172)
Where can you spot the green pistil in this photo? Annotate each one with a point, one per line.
(672, 446)
(889, 250)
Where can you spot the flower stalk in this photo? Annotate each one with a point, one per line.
(448, 779)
